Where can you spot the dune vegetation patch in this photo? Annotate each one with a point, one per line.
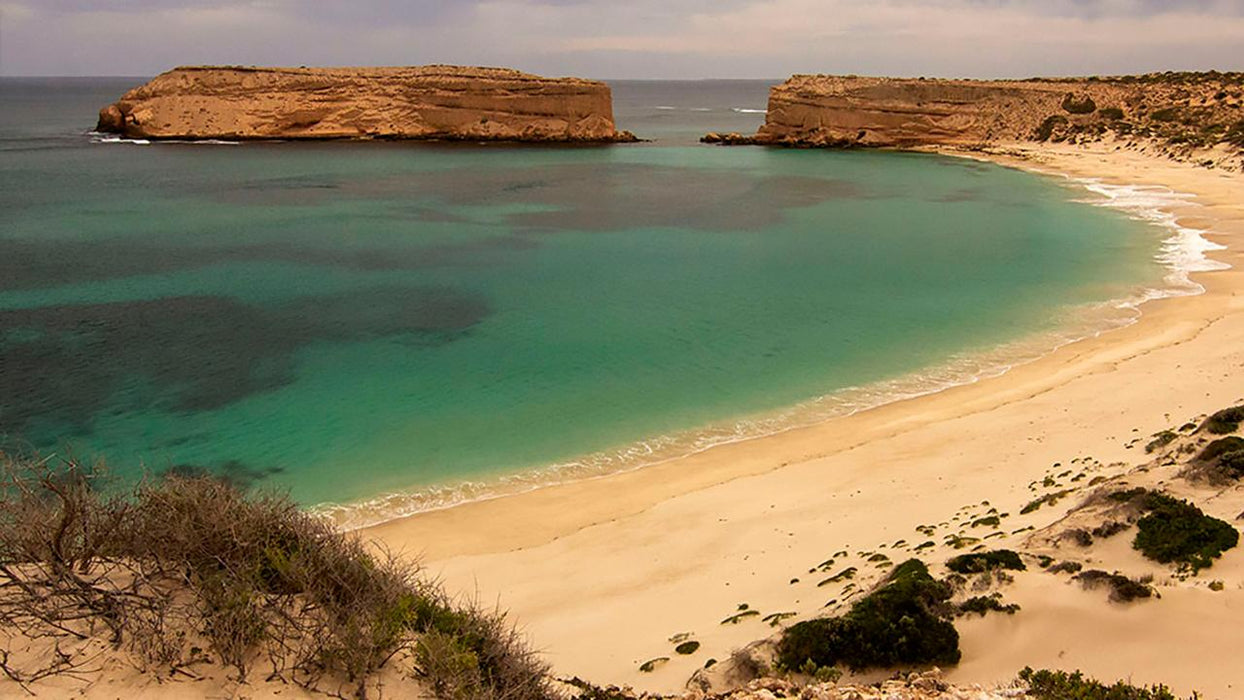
(1061, 685)
(904, 621)
(980, 562)
(186, 571)
(1173, 531)
(1225, 421)
(1122, 588)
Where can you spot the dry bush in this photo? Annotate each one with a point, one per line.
(175, 570)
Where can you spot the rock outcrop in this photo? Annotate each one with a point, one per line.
(1195, 110)
(422, 102)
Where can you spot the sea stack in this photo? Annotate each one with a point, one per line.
(419, 102)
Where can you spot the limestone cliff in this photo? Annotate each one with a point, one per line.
(1196, 110)
(422, 102)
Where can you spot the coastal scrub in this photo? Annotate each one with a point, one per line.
(176, 572)
(1178, 532)
(904, 621)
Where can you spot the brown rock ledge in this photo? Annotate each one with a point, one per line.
(420, 102)
(1194, 116)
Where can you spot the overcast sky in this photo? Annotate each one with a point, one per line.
(630, 38)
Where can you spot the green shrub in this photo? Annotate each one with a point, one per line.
(1225, 421)
(687, 647)
(1161, 440)
(983, 604)
(1122, 588)
(1175, 531)
(1066, 567)
(1047, 499)
(1060, 685)
(1114, 114)
(989, 521)
(1220, 447)
(980, 562)
(903, 621)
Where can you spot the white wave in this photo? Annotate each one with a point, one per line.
(701, 109)
(1182, 252)
(97, 137)
(205, 142)
(666, 107)
(745, 110)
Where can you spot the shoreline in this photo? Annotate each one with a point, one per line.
(969, 366)
(637, 556)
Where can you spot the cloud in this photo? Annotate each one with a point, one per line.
(640, 38)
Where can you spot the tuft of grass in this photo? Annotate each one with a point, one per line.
(905, 620)
(845, 575)
(1161, 440)
(1122, 588)
(775, 619)
(982, 604)
(987, 521)
(687, 647)
(739, 617)
(1061, 685)
(1066, 567)
(651, 664)
(980, 562)
(1047, 499)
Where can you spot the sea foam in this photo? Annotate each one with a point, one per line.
(98, 137)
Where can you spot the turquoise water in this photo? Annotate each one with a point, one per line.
(349, 320)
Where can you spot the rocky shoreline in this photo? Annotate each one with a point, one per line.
(1197, 117)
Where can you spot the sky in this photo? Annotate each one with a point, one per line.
(630, 38)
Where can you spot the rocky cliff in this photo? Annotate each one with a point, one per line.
(423, 102)
(1197, 110)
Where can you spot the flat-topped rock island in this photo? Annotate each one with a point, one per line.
(434, 102)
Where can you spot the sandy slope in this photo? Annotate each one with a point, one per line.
(603, 572)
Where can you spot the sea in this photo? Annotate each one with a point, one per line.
(381, 328)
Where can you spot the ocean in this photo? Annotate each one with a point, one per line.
(379, 328)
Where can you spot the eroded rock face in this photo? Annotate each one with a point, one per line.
(840, 111)
(1196, 109)
(422, 102)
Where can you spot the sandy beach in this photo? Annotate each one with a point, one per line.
(602, 573)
